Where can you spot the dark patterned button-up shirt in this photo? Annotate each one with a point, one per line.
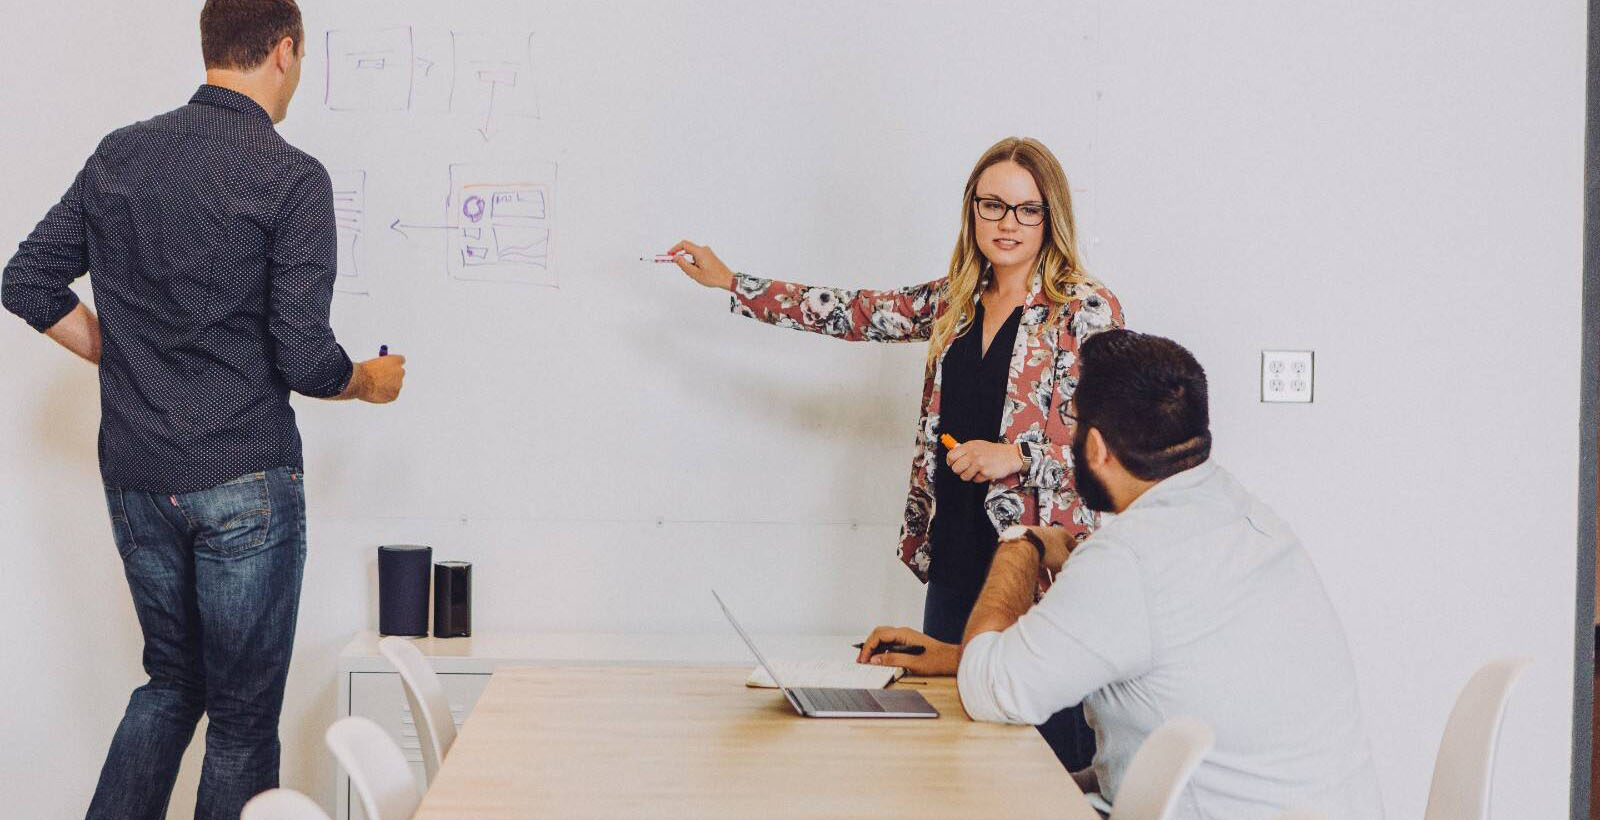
(211, 247)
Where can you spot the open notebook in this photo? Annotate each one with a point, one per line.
(831, 674)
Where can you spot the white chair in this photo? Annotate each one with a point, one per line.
(1463, 773)
(1302, 814)
(1160, 769)
(430, 709)
(282, 804)
(377, 768)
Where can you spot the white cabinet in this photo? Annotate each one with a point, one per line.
(380, 696)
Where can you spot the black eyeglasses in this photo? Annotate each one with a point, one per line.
(994, 210)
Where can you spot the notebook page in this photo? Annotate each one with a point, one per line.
(838, 674)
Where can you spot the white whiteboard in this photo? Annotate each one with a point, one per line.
(555, 377)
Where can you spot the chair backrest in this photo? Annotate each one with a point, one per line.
(1160, 769)
(1463, 773)
(282, 804)
(1302, 814)
(376, 766)
(430, 709)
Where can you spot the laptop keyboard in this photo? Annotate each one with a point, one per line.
(839, 700)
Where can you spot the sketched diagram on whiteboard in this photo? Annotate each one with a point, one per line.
(349, 216)
(370, 69)
(494, 77)
(384, 69)
(500, 222)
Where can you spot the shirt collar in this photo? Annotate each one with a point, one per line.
(1175, 483)
(231, 100)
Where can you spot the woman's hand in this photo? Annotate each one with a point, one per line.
(702, 265)
(938, 658)
(984, 460)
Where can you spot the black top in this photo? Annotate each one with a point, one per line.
(212, 245)
(971, 406)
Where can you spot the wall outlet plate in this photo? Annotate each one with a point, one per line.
(1287, 375)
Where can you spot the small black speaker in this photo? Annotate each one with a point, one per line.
(403, 589)
(452, 599)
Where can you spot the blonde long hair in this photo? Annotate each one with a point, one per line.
(1059, 264)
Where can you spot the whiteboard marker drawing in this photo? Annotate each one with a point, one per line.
(494, 78)
(349, 217)
(499, 223)
(369, 69)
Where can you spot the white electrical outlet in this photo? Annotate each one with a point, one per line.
(1286, 375)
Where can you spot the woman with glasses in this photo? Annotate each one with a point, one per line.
(1003, 327)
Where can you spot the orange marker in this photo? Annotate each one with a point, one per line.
(949, 441)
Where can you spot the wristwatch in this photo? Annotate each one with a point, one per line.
(1027, 457)
(1017, 532)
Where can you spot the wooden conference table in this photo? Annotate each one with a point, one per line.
(665, 742)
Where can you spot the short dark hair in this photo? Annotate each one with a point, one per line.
(1147, 397)
(239, 34)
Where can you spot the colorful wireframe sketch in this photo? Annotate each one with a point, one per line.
(500, 223)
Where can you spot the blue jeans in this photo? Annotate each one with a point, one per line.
(944, 618)
(215, 576)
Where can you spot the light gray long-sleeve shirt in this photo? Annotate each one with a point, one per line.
(1196, 601)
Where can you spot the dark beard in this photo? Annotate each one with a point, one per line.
(1090, 488)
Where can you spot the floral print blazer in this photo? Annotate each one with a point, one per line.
(1043, 376)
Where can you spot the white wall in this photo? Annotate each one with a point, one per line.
(1396, 188)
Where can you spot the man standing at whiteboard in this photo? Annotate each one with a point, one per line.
(212, 246)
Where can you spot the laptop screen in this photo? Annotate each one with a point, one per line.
(747, 641)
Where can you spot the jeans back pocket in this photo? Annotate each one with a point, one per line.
(234, 517)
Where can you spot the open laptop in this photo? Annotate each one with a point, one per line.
(839, 703)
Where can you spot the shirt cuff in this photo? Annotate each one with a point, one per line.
(746, 287)
(734, 299)
(349, 375)
(975, 679)
(339, 372)
(47, 317)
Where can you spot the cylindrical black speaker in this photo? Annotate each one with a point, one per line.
(452, 599)
(403, 589)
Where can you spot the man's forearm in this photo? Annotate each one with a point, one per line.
(360, 382)
(79, 332)
(1008, 593)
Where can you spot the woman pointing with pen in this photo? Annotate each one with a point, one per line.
(1003, 327)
